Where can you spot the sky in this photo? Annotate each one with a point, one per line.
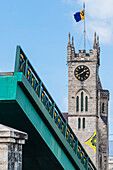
(41, 28)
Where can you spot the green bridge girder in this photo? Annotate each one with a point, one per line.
(26, 105)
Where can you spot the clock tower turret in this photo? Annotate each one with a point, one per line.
(85, 102)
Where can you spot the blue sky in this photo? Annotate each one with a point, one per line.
(41, 28)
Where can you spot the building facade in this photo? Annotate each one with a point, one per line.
(88, 102)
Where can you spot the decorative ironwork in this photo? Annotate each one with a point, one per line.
(22, 64)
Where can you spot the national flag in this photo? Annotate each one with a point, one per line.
(79, 15)
(92, 141)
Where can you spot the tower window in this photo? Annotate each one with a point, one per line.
(81, 101)
(79, 123)
(102, 107)
(86, 103)
(77, 103)
(83, 123)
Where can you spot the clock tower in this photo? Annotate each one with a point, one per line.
(88, 102)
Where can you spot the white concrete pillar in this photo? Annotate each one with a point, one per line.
(11, 141)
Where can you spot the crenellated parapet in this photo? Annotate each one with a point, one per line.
(82, 55)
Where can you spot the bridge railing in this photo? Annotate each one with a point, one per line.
(22, 64)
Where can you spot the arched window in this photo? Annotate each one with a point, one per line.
(77, 103)
(83, 123)
(81, 101)
(79, 123)
(86, 103)
(102, 107)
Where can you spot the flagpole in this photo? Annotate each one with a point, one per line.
(81, 16)
(84, 28)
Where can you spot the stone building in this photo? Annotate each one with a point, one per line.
(88, 102)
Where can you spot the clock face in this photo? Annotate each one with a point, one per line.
(82, 72)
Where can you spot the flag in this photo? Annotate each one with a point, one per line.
(80, 15)
(92, 141)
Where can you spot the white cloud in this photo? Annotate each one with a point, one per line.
(103, 30)
(99, 18)
(100, 9)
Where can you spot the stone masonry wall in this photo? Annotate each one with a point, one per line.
(103, 97)
(11, 142)
(88, 87)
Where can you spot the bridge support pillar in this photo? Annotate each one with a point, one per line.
(11, 141)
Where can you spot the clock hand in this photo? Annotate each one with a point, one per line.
(85, 70)
(82, 72)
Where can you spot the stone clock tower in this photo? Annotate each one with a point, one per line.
(88, 102)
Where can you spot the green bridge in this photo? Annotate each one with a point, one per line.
(25, 104)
